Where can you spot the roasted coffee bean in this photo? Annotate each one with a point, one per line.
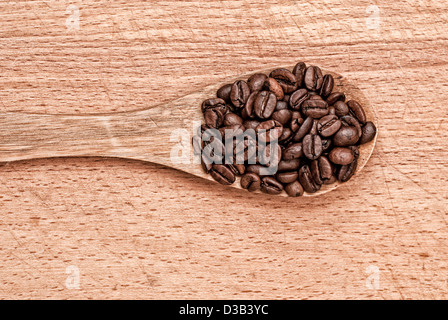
(282, 116)
(250, 181)
(331, 111)
(327, 86)
(334, 97)
(299, 72)
(271, 186)
(251, 124)
(312, 146)
(224, 92)
(294, 189)
(315, 108)
(307, 181)
(304, 129)
(350, 121)
(326, 144)
(269, 130)
(286, 135)
(268, 158)
(256, 82)
(297, 98)
(206, 163)
(265, 104)
(237, 169)
(368, 132)
(328, 125)
(293, 151)
(281, 105)
(248, 111)
(342, 156)
(346, 136)
(288, 165)
(321, 170)
(286, 79)
(356, 111)
(340, 108)
(240, 93)
(245, 151)
(313, 78)
(347, 171)
(222, 174)
(256, 168)
(231, 131)
(216, 104)
(286, 98)
(273, 86)
(287, 177)
(213, 118)
(231, 119)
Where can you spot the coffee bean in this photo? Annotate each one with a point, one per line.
(350, 121)
(231, 119)
(237, 169)
(346, 136)
(340, 108)
(245, 151)
(269, 130)
(328, 125)
(313, 78)
(331, 111)
(248, 111)
(315, 108)
(294, 151)
(265, 104)
(286, 135)
(224, 92)
(286, 98)
(273, 86)
(304, 129)
(356, 111)
(321, 170)
(281, 105)
(288, 165)
(297, 98)
(368, 132)
(240, 93)
(222, 174)
(271, 155)
(334, 97)
(327, 86)
(216, 104)
(282, 116)
(347, 171)
(271, 186)
(294, 189)
(287, 177)
(250, 181)
(307, 181)
(326, 144)
(251, 124)
(299, 72)
(206, 163)
(286, 79)
(213, 118)
(312, 146)
(342, 156)
(256, 168)
(256, 82)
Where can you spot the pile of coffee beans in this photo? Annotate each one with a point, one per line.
(286, 131)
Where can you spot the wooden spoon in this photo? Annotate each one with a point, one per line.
(147, 135)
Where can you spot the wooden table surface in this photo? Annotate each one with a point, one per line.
(96, 228)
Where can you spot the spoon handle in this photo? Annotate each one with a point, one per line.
(142, 135)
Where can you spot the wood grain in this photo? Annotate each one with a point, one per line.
(140, 230)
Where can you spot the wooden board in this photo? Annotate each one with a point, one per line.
(138, 230)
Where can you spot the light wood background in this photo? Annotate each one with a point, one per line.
(138, 230)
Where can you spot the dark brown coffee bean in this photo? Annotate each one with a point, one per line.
(250, 181)
(230, 131)
(237, 169)
(321, 170)
(342, 156)
(222, 174)
(350, 121)
(328, 125)
(256, 168)
(313, 78)
(315, 108)
(327, 86)
(368, 132)
(356, 111)
(273, 86)
(335, 96)
(326, 144)
(271, 186)
(216, 104)
(307, 181)
(248, 109)
(288, 165)
(299, 72)
(213, 118)
(265, 104)
(251, 124)
(265, 157)
(340, 108)
(315, 97)
(331, 111)
(206, 163)
(294, 151)
(312, 146)
(347, 171)
(256, 82)
(286, 79)
(245, 151)
(231, 119)
(304, 129)
(294, 189)
(346, 136)
(269, 130)
(287, 177)
(240, 93)
(297, 98)
(286, 135)
(282, 116)
(224, 92)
